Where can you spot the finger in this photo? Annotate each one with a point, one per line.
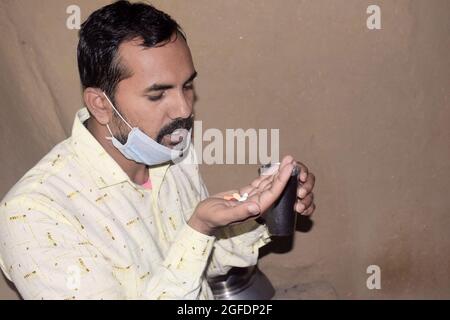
(306, 187)
(275, 167)
(253, 185)
(308, 200)
(302, 205)
(299, 206)
(260, 190)
(267, 197)
(264, 185)
(303, 171)
(309, 211)
(287, 160)
(261, 184)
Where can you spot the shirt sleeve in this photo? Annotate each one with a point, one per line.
(237, 245)
(48, 258)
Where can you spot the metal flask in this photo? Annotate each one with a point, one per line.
(242, 284)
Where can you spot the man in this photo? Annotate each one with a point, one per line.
(119, 210)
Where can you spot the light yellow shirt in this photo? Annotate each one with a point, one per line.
(76, 227)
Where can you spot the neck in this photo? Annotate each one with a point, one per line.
(137, 172)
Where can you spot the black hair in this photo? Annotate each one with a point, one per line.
(106, 29)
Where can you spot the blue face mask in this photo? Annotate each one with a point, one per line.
(143, 149)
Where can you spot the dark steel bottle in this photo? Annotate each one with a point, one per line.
(281, 218)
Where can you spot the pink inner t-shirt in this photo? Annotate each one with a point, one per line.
(148, 184)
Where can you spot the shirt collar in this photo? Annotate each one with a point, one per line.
(102, 167)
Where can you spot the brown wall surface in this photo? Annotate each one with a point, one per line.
(366, 110)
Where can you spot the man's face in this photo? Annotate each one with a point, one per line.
(159, 95)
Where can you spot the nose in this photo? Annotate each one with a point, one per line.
(183, 106)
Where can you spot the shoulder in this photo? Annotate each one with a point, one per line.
(44, 183)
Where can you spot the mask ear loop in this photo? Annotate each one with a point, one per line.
(112, 136)
(107, 126)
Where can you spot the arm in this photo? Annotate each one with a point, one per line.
(48, 258)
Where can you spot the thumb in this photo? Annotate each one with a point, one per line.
(244, 211)
(253, 208)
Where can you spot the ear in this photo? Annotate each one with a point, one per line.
(98, 105)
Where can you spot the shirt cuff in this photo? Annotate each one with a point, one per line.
(251, 234)
(190, 251)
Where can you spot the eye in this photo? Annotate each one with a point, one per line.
(156, 98)
(189, 86)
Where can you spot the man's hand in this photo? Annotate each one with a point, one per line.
(215, 211)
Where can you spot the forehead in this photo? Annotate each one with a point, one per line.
(169, 63)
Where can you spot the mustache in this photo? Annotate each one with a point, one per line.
(179, 123)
